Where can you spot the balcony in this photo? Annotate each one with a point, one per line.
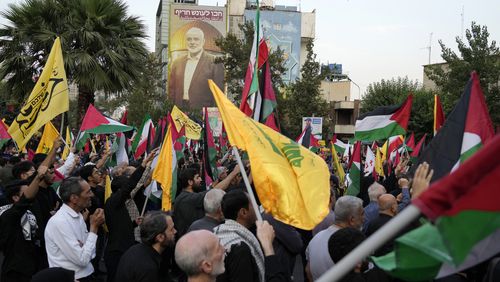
(344, 129)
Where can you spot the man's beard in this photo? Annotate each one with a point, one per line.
(198, 188)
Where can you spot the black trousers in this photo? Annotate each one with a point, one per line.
(112, 259)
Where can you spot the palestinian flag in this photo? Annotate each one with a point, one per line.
(223, 141)
(269, 104)
(411, 141)
(438, 114)
(340, 146)
(414, 155)
(209, 153)
(355, 171)
(307, 139)
(4, 134)
(383, 122)
(466, 214)
(140, 143)
(96, 123)
(467, 128)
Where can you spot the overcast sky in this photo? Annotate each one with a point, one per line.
(373, 40)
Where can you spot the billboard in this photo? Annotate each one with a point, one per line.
(282, 29)
(316, 126)
(192, 53)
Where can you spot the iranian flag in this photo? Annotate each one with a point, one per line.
(464, 209)
(140, 143)
(251, 100)
(383, 122)
(355, 171)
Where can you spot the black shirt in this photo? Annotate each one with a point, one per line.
(241, 266)
(188, 208)
(141, 263)
(20, 254)
(98, 199)
(204, 223)
(120, 225)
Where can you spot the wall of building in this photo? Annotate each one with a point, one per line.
(336, 90)
(282, 28)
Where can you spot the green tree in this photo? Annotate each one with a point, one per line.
(236, 61)
(101, 45)
(395, 91)
(476, 54)
(303, 97)
(144, 97)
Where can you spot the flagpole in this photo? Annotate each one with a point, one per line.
(384, 234)
(62, 123)
(247, 184)
(145, 203)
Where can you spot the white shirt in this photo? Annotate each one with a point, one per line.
(68, 243)
(317, 253)
(191, 64)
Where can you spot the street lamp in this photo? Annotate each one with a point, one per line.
(359, 89)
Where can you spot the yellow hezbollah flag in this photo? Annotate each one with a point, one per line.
(65, 153)
(338, 166)
(378, 163)
(383, 150)
(50, 134)
(293, 183)
(164, 169)
(107, 194)
(48, 99)
(193, 130)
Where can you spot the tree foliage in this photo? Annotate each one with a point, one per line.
(395, 91)
(236, 61)
(475, 54)
(145, 96)
(101, 45)
(303, 97)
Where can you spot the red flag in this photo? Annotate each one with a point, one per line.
(417, 148)
(411, 141)
(438, 114)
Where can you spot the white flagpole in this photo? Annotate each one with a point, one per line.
(247, 184)
(373, 242)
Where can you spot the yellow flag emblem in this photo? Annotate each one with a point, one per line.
(48, 99)
(193, 130)
(293, 183)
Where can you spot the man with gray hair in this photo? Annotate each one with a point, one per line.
(371, 210)
(68, 243)
(213, 211)
(200, 255)
(348, 213)
(189, 75)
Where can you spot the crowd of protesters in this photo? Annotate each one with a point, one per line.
(56, 224)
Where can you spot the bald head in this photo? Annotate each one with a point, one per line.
(388, 204)
(200, 253)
